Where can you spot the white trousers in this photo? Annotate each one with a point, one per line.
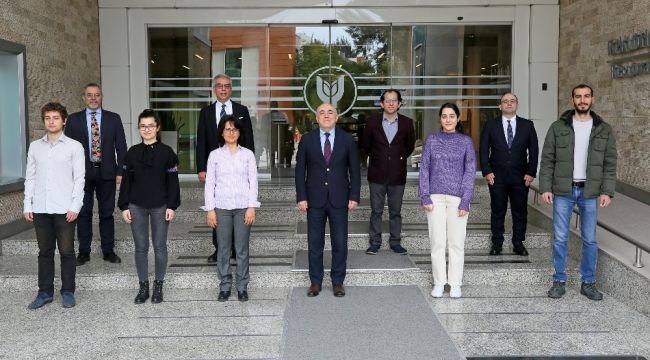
(447, 230)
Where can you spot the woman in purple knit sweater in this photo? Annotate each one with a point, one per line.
(446, 188)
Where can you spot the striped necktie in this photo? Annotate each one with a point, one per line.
(328, 148)
(223, 111)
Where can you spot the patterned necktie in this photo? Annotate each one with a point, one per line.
(328, 148)
(510, 136)
(95, 143)
(223, 111)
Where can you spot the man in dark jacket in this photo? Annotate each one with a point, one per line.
(509, 153)
(388, 139)
(578, 167)
(328, 186)
(102, 135)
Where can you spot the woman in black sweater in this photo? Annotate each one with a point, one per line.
(149, 193)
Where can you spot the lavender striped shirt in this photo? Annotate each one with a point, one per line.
(231, 180)
(448, 167)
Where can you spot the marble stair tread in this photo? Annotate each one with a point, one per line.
(489, 322)
(359, 260)
(189, 324)
(196, 238)
(522, 322)
(18, 272)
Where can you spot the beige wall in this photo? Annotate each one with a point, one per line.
(62, 46)
(585, 28)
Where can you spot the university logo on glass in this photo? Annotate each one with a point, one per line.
(333, 85)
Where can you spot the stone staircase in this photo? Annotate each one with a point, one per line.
(504, 311)
(278, 237)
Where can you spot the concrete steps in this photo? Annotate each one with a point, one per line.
(278, 234)
(191, 271)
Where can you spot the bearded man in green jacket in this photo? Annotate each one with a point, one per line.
(578, 167)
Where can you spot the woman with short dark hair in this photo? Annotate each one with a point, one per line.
(230, 200)
(150, 193)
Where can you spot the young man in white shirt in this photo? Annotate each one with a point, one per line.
(54, 190)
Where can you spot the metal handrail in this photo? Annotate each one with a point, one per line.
(638, 245)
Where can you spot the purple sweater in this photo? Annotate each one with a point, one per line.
(448, 167)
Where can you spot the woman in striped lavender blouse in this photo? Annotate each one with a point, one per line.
(230, 200)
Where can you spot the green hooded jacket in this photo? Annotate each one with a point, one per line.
(556, 166)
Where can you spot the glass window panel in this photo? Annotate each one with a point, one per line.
(282, 73)
(13, 116)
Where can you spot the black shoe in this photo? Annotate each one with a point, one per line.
(557, 290)
(398, 249)
(223, 296)
(242, 295)
(212, 258)
(82, 258)
(143, 293)
(520, 249)
(590, 291)
(112, 258)
(495, 250)
(157, 296)
(373, 249)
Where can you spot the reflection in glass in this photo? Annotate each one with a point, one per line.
(282, 73)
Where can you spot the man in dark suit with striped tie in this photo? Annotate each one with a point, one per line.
(102, 135)
(328, 185)
(206, 133)
(509, 152)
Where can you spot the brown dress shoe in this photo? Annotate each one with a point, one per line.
(339, 290)
(314, 289)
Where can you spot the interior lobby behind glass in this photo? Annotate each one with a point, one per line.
(282, 73)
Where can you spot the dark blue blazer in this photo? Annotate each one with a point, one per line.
(113, 141)
(320, 183)
(509, 165)
(206, 132)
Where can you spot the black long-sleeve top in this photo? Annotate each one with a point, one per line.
(150, 177)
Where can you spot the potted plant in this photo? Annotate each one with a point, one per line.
(170, 126)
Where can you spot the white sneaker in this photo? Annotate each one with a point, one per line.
(455, 292)
(437, 291)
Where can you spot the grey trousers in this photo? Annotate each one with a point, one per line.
(378, 193)
(140, 219)
(230, 224)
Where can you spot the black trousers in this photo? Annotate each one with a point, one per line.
(105, 190)
(517, 194)
(53, 230)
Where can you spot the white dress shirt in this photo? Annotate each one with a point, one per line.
(513, 123)
(54, 180)
(218, 108)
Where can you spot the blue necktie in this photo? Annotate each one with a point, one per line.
(509, 134)
(328, 148)
(223, 111)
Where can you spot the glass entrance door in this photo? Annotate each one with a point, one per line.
(282, 73)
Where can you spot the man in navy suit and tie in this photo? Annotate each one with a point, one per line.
(328, 185)
(206, 133)
(102, 135)
(509, 152)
